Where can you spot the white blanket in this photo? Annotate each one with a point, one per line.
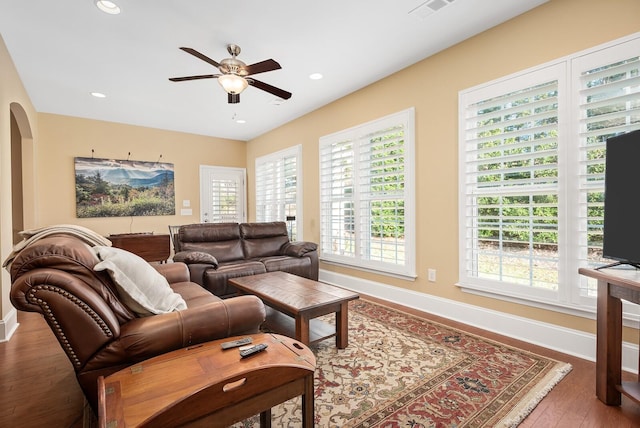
(33, 235)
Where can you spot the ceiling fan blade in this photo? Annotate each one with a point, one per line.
(271, 89)
(202, 76)
(201, 56)
(263, 66)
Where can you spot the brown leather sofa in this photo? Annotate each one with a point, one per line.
(217, 252)
(54, 276)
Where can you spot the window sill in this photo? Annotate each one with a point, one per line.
(406, 277)
(629, 319)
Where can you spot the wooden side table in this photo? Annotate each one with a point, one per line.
(613, 285)
(204, 385)
(151, 247)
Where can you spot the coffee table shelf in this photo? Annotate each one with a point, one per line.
(284, 324)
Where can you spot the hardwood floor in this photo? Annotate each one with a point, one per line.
(38, 387)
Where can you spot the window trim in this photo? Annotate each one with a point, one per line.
(568, 300)
(408, 270)
(207, 173)
(511, 83)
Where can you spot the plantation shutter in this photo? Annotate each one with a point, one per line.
(510, 192)
(277, 185)
(337, 234)
(366, 201)
(609, 105)
(381, 195)
(222, 194)
(225, 204)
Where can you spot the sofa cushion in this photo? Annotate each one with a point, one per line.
(221, 240)
(194, 294)
(140, 286)
(263, 239)
(215, 280)
(295, 265)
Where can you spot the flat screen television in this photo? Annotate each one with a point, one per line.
(621, 239)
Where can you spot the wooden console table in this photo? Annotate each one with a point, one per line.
(205, 386)
(613, 285)
(152, 248)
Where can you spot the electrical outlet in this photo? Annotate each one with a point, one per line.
(431, 275)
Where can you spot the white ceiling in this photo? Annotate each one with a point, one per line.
(65, 49)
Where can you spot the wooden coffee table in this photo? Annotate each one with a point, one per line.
(293, 302)
(206, 386)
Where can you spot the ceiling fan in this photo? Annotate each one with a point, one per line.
(233, 77)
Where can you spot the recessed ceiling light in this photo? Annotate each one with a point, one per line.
(108, 7)
(98, 95)
(315, 76)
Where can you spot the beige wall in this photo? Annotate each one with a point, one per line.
(16, 109)
(550, 31)
(62, 138)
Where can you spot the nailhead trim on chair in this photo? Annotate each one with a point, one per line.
(53, 322)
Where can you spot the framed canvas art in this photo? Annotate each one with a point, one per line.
(123, 188)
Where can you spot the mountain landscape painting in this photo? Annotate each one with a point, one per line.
(123, 188)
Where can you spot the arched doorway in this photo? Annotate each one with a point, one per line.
(21, 162)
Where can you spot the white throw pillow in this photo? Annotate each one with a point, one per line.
(142, 288)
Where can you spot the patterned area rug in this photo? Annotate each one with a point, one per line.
(404, 371)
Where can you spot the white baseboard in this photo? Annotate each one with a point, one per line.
(8, 325)
(568, 341)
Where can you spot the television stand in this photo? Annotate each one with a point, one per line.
(610, 265)
(613, 286)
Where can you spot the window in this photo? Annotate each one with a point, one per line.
(279, 188)
(367, 203)
(532, 173)
(222, 194)
(608, 104)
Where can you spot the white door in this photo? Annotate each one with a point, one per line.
(222, 194)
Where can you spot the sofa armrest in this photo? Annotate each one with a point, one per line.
(197, 271)
(299, 248)
(146, 337)
(174, 272)
(80, 317)
(196, 257)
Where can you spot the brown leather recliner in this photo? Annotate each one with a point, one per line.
(54, 276)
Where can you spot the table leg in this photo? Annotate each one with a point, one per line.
(265, 419)
(302, 329)
(308, 403)
(608, 345)
(342, 326)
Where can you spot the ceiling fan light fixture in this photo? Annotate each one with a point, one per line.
(232, 83)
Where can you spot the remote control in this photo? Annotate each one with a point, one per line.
(253, 350)
(235, 343)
